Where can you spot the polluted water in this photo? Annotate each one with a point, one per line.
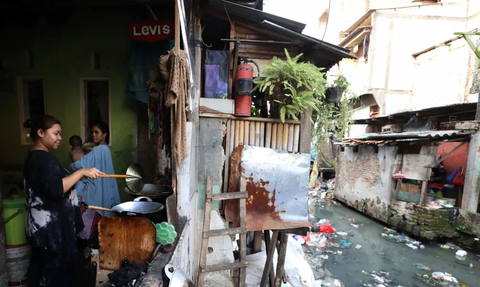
(363, 252)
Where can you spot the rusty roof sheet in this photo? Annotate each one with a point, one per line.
(277, 185)
(376, 139)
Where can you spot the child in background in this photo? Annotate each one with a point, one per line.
(77, 150)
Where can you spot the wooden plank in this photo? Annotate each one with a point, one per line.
(228, 153)
(241, 141)
(285, 137)
(268, 136)
(274, 136)
(268, 243)
(125, 237)
(269, 262)
(252, 133)
(257, 133)
(279, 136)
(282, 252)
(246, 130)
(296, 138)
(243, 236)
(262, 135)
(229, 195)
(423, 193)
(257, 241)
(232, 136)
(305, 131)
(206, 227)
(222, 232)
(290, 138)
(237, 133)
(220, 267)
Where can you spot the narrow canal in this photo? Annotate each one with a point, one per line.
(364, 253)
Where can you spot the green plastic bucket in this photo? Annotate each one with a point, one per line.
(14, 218)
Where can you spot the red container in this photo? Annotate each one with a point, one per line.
(243, 105)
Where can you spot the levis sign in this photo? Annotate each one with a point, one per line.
(151, 31)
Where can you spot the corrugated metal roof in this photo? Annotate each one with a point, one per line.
(255, 15)
(327, 54)
(466, 106)
(406, 136)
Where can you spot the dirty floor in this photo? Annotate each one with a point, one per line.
(373, 259)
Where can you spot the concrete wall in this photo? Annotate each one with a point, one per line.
(401, 82)
(62, 55)
(361, 113)
(472, 176)
(363, 183)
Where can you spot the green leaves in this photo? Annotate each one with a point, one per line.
(292, 85)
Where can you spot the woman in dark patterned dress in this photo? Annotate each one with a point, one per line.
(52, 215)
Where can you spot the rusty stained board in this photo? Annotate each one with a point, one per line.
(277, 185)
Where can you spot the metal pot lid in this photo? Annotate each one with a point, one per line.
(135, 181)
(177, 277)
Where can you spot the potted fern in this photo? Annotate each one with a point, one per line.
(291, 87)
(335, 92)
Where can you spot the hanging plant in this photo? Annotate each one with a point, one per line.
(292, 87)
(334, 117)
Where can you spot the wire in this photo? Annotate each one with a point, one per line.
(328, 17)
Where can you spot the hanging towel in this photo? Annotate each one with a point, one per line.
(143, 63)
(102, 191)
(177, 95)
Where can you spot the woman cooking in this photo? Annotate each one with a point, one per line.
(102, 192)
(52, 213)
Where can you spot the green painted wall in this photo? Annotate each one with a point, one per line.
(61, 54)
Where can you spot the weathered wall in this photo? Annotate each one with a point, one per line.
(62, 55)
(426, 223)
(472, 176)
(402, 82)
(433, 224)
(210, 161)
(364, 179)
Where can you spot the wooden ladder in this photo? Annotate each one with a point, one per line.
(207, 233)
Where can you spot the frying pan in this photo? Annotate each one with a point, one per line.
(153, 191)
(131, 207)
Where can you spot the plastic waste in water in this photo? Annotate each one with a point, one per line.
(344, 234)
(443, 246)
(354, 225)
(412, 246)
(358, 246)
(422, 267)
(345, 243)
(422, 247)
(461, 254)
(324, 257)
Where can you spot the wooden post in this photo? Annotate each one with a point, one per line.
(177, 29)
(257, 241)
(282, 252)
(269, 262)
(271, 274)
(423, 193)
